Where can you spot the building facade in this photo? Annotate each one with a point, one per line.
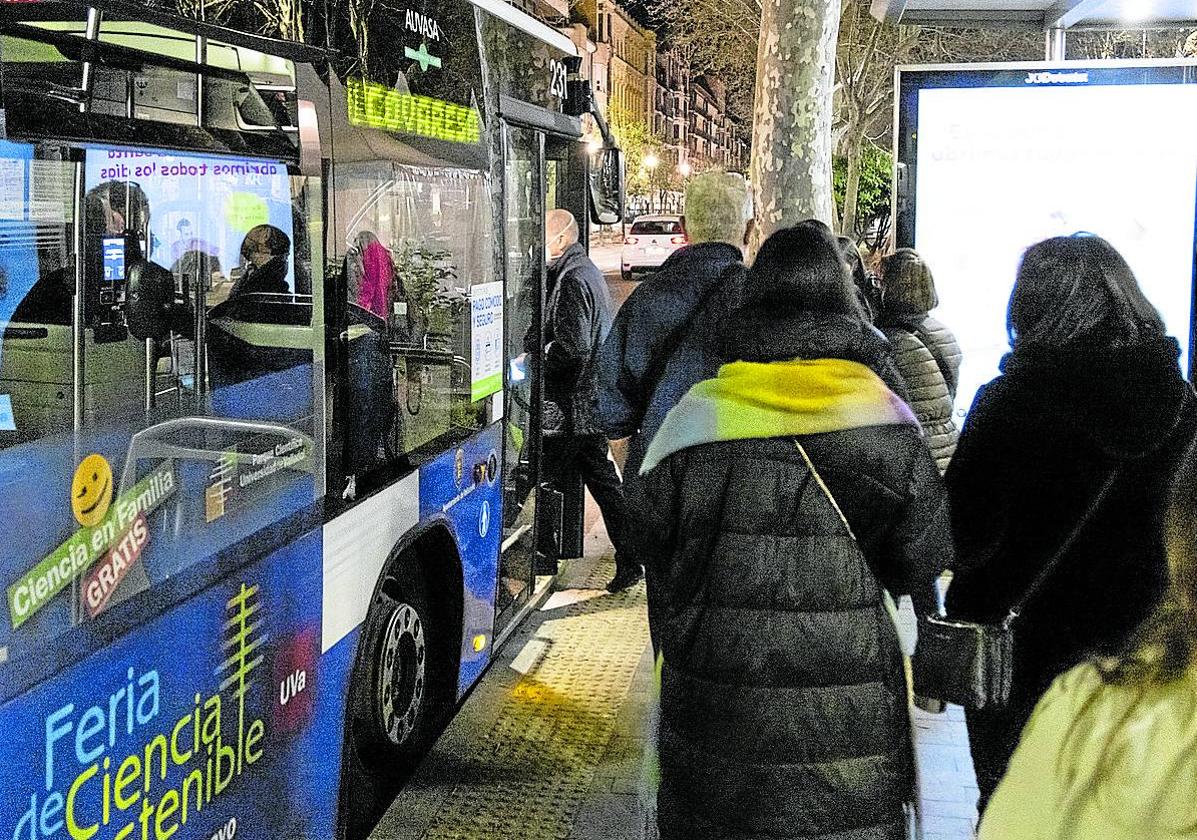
(638, 84)
(624, 62)
(671, 116)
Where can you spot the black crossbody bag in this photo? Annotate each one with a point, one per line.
(971, 663)
(910, 804)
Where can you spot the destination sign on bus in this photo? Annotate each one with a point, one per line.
(378, 106)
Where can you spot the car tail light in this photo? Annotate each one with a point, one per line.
(678, 240)
(630, 240)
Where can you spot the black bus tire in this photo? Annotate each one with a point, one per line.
(395, 698)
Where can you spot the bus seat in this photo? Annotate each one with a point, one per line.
(257, 335)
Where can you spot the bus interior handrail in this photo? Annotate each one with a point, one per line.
(148, 444)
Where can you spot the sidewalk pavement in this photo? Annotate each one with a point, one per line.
(551, 742)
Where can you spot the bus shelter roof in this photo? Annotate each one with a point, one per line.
(1038, 14)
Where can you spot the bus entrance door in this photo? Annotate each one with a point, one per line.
(524, 206)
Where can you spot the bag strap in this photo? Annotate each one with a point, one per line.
(810, 465)
(652, 376)
(1050, 567)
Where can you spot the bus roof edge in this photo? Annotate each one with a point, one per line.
(524, 21)
(293, 50)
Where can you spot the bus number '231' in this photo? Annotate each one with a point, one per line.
(557, 79)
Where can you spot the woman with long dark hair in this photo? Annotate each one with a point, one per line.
(783, 496)
(1111, 750)
(1091, 394)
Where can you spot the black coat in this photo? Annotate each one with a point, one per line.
(688, 299)
(1037, 445)
(783, 698)
(578, 318)
(270, 277)
(928, 358)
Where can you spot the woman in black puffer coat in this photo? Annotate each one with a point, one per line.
(783, 697)
(927, 354)
(1091, 388)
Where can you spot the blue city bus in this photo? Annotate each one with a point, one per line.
(270, 307)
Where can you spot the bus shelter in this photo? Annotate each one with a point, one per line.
(1053, 17)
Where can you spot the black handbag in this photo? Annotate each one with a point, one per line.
(971, 663)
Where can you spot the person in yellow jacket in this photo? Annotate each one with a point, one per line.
(1111, 750)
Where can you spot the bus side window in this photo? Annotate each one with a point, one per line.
(177, 418)
(417, 250)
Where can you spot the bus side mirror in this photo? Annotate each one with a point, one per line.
(607, 187)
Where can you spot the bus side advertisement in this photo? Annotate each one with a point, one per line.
(177, 730)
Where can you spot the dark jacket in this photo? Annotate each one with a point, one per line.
(578, 319)
(783, 697)
(928, 358)
(270, 277)
(693, 292)
(1037, 445)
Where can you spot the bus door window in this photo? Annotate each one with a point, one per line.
(566, 169)
(197, 391)
(524, 300)
(417, 251)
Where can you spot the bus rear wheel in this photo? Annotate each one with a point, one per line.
(402, 692)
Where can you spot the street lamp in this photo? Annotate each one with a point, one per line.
(684, 169)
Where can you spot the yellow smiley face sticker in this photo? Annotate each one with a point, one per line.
(91, 491)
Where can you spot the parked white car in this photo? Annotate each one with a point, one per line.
(650, 241)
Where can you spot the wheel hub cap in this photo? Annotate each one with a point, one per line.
(401, 678)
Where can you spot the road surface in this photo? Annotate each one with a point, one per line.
(606, 257)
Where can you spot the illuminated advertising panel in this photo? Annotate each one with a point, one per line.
(1001, 158)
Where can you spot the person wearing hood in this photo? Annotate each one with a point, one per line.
(577, 319)
(782, 498)
(926, 352)
(264, 256)
(1111, 750)
(1091, 392)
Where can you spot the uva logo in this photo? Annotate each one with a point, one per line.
(291, 686)
(227, 831)
(295, 673)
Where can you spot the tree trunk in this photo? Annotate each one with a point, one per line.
(852, 180)
(791, 142)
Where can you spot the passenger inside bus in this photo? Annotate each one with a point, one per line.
(264, 255)
(370, 272)
(199, 266)
(370, 279)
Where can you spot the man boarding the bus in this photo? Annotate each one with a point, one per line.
(577, 320)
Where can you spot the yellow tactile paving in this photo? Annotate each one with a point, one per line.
(554, 726)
